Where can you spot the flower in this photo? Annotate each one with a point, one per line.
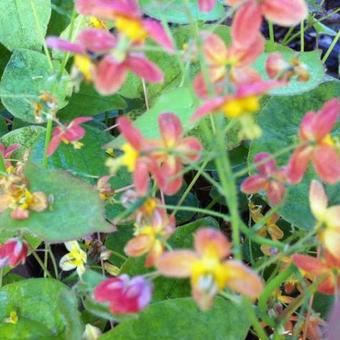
(136, 157)
(208, 268)
(13, 252)
(91, 332)
(227, 62)
(269, 179)
(75, 259)
(316, 145)
(278, 68)
(324, 269)
(150, 237)
(16, 196)
(128, 20)
(174, 151)
(206, 5)
(327, 217)
(270, 227)
(71, 133)
(248, 18)
(124, 295)
(101, 58)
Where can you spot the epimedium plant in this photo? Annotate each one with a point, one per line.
(188, 170)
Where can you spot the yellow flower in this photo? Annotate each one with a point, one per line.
(91, 332)
(133, 29)
(13, 318)
(75, 259)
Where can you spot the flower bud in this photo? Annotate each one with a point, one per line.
(13, 252)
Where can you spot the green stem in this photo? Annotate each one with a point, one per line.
(45, 260)
(37, 258)
(54, 262)
(1, 276)
(48, 136)
(2, 164)
(271, 32)
(268, 292)
(302, 36)
(331, 47)
(258, 328)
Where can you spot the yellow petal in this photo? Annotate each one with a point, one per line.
(318, 200)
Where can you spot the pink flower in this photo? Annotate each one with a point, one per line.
(206, 5)
(71, 133)
(175, 150)
(248, 17)
(137, 157)
(317, 145)
(227, 62)
(13, 252)
(270, 179)
(128, 20)
(100, 59)
(124, 295)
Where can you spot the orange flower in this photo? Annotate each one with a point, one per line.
(209, 269)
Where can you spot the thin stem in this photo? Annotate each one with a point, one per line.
(258, 328)
(302, 36)
(54, 262)
(38, 28)
(48, 136)
(1, 276)
(331, 47)
(271, 32)
(37, 258)
(145, 91)
(2, 164)
(45, 260)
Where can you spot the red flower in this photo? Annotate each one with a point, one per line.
(175, 150)
(317, 145)
(270, 179)
(124, 295)
(99, 57)
(128, 20)
(325, 269)
(248, 17)
(68, 134)
(13, 252)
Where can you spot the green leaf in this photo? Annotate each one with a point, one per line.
(27, 76)
(314, 65)
(165, 288)
(89, 161)
(87, 102)
(175, 11)
(25, 23)
(181, 101)
(76, 212)
(25, 136)
(181, 319)
(61, 16)
(46, 308)
(280, 119)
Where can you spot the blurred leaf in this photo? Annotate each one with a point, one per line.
(314, 66)
(27, 76)
(175, 11)
(61, 16)
(280, 119)
(181, 319)
(25, 23)
(87, 102)
(46, 308)
(76, 212)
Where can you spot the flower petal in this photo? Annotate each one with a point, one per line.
(144, 68)
(132, 135)
(64, 45)
(176, 263)
(96, 40)
(53, 146)
(157, 33)
(141, 177)
(267, 163)
(333, 216)
(330, 239)
(214, 49)
(208, 107)
(285, 12)
(243, 280)
(190, 148)
(139, 245)
(298, 164)
(317, 199)
(109, 76)
(206, 5)
(310, 264)
(170, 127)
(246, 24)
(211, 242)
(276, 192)
(326, 161)
(254, 184)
